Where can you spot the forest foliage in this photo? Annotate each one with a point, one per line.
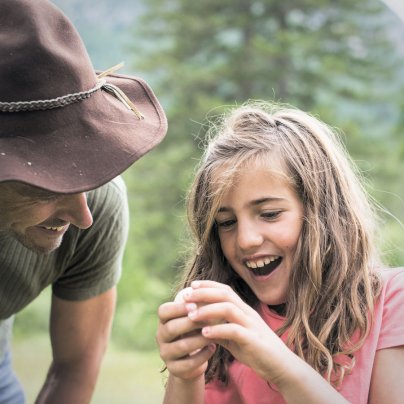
(337, 59)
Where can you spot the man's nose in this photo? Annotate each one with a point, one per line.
(74, 209)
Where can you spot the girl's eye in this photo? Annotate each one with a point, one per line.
(225, 224)
(271, 215)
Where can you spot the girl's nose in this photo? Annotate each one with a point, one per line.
(248, 235)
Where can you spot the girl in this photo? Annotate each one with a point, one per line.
(287, 300)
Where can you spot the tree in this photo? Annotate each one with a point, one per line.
(209, 53)
(329, 57)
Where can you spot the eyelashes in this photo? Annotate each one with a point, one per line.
(225, 223)
(271, 215)
(229, 223)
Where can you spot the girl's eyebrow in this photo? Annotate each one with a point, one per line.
(255, 202)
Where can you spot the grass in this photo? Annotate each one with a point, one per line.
(125, 377)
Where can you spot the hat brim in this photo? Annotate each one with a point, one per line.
(81, 146)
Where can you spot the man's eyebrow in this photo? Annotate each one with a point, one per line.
(255, 202)
(34, 192)
(44, 193)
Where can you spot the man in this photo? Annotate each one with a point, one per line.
(65, 136)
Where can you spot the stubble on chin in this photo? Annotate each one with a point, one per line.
(30, 244)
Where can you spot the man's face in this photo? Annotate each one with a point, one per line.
(37, 218)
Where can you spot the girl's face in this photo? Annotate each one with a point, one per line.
(259, 223)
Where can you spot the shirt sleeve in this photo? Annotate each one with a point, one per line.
(392, 330)
(93, 257)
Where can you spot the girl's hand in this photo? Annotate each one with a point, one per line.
(239, 328)
(183, 348)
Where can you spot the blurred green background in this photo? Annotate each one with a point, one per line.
(342, 60)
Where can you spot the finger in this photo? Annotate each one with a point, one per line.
(190, 363)
(223, 312)
(168, 311)
(226, 332)
(208, 284)
(173, 329)
(183, 346)
(208, 295)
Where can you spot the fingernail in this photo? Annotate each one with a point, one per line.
(206, 330)
(191, 307)
(195, 284)
(192, 314)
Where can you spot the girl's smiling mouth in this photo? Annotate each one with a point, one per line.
(264, 266)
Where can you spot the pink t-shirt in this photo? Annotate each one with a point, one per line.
(246, 387)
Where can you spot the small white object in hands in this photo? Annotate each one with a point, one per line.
(179, 298)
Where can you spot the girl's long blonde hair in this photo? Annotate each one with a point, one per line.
(334, 280)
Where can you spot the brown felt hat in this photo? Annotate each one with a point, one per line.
(63, 127)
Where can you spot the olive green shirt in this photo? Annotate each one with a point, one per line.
(87, 263)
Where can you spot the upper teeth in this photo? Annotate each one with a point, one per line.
(54, 228)
(260, 263)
